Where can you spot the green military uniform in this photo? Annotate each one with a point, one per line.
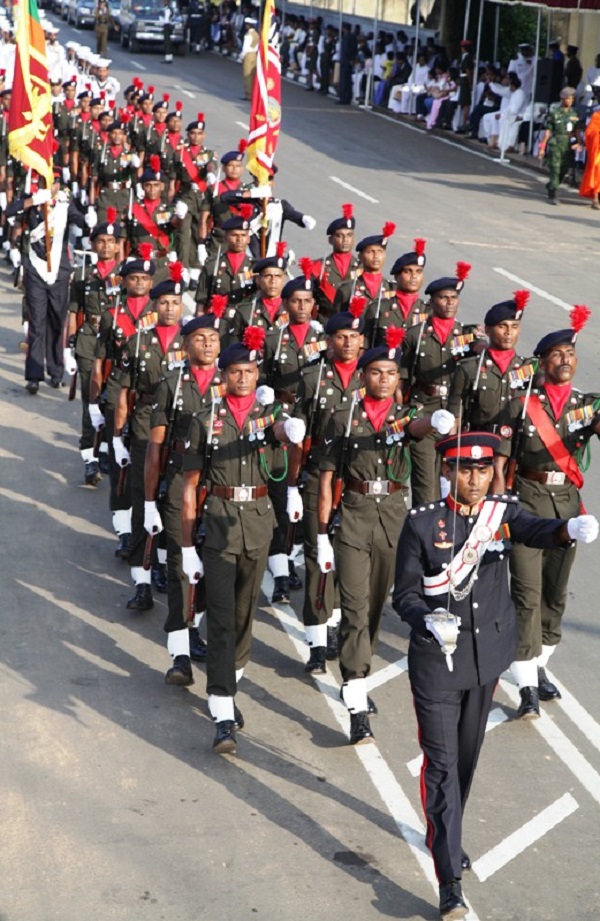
(102, 20)
(92, 292)
(177, 400)
(83, 141)
(139, 131)
(479, 407)
(376, 472)
(156, 227)
(358, 288)
(238, 522)
(189, 167)
(392, 314)
(316, 412)
(114, 178)
(561, 123)
(428, 367)
(218, 277)
(64, 124)
(539, 577)
(220, 211)
(328, 281)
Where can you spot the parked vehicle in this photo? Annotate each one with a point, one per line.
(141, 25)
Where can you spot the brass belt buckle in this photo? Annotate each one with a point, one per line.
(243, 493)
(377, 487)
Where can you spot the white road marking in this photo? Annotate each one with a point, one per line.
(524, 837)
(386, 674)
(138, 66)
(495, 718)
(243, 125)
(185, 92)
(562, 747)
(578, 714)
(534, 289)
(399, 806)
(351, 188)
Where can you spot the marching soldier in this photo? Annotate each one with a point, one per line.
(229, 272)
(366, 459)
(265, 308)
(151, 220)
(105, 83)
(169, 144)
(94, 289)
(214, 210)
(482, 385)
(113, 172)
(183, 393)
(154, 137)
(431, 353)
(405, 309)
(454, 555)
(545, 435)
(369, 281)
(141, 123)
(231, 450)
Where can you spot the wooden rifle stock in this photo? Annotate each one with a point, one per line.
(191, 611)
(338, 488)
(148, 552)
(306, 448)
(73, 387)
(122, 480)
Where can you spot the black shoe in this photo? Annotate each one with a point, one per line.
(142, 600)
(92, 473)
(281, 592)
(294, 581)
(317, 662)
(452, 904)
(180, 672)
(239, 722)
(333, 645)
(122, 550)
(32, 387)
(197, 646)
(56, 382)
(465, 860)
(104, 462)
(225, 743)
(547, 690)
(360, 729)
(372, 709)
(529, 708)
(159, 578)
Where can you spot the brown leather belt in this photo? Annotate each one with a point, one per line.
(547, 477)
(434, 390)
(238, 493)
(373, 487)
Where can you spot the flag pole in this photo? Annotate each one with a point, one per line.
(47, 236)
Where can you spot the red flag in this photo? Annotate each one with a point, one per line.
(30, 129)
(265, 108)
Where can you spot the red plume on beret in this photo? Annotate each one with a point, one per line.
(200, 116)
(218, 304)
(521, 299)
(306, 265)
(388, 229)
(420, 246)
(176, 271)
(394, 336)
(111, 103)
(348, 211)
(462, 270)
(145, 250)
(579, 317)
(166, 97)
(246, 211)
(155, 163)
(254, 338)
(111, 215)
(125, 116)
(357, 305)
(150, 90)
(280, 248)
(178, 106)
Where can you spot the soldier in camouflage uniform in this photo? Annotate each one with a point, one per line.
(560, 140)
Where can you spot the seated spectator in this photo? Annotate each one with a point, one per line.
(443, 87)
(507, 126)
(403, 98)
(449, 105)
(486, 101)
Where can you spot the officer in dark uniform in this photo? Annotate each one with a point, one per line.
(183, 393)
(406, 309)
(560, 140)
(339, 266)
(369, 281)
(365, 452)
(451, 587)
(155, 349)
(238, 520)
(94, 289)
(430, 356)
(547, 442)
(482, 385)
(230, 270)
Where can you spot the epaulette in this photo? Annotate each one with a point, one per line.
(431, 506)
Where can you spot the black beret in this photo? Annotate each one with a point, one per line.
(344, 320)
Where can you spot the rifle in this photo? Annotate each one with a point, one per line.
(517, 440)
(338, 488)
(132, 395)
(413, 367)
(474, 389)
(80, 315)
(202, 496)
(307, 443)
(123, 471)
(376, 317)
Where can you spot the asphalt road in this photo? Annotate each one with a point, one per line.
(113, 804)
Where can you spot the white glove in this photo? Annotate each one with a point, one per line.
(83, 197)
(295, 429)
(191, 564)
(442, 421)
(172, 256)
(75, 189)
(211, 179)
(325, 557)
(291, 258)
(66, 174)
(583, 528)
(122, 455)
(309, 222)
(69, 361)
(181, 209)
(265, 395)
(202, 253)
(152, 520)
(444, 626)
(261, 191)
(96, 417)
(139, 190)
(3, 201)
(41, 196)
(15, 258)
(294, 507)
(135, 161)
(91, 218)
